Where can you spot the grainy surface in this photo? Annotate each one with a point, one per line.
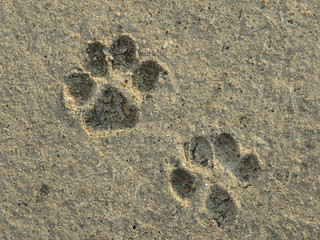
(246, 69)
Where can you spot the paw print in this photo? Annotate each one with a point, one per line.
(108, 94)
(197, 178)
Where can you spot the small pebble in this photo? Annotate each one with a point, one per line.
(165, 45)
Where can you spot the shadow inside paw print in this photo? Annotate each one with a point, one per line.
(124, 51)
(227, 149)
(199, 151)
(182, 182)
(80, 87)
(221, 206)
(96, 61)
(147, 75)
(246, 168)
(111, 109)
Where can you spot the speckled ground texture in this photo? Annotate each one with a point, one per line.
(159, 119)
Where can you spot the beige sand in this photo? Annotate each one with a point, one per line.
(159, 119)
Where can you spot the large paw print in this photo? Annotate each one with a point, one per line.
(186, 178)
(109, 94)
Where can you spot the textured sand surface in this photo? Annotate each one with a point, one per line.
(159, 119)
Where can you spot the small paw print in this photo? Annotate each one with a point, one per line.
(109, 93)
(194, 178)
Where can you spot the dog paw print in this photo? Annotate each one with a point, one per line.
(199, 165)
(109, 92)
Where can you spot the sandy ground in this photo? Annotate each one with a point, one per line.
(159, 119)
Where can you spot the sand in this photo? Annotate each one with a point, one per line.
(159, 119)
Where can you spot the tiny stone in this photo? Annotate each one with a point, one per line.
(165, 45)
